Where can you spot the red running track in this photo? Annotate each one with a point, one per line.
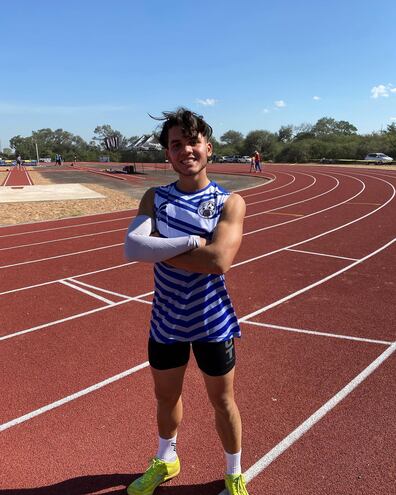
(313, 286)
(18, 176)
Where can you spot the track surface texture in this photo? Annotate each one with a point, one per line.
(314, 288)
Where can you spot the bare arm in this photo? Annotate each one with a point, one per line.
(217, 257)
(146, 206)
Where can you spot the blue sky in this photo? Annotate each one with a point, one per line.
(243, 65)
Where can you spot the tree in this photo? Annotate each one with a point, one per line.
(233, 138)
(23, 146)
(303, 131)
(102, 132)
(259, 140)
(345, 128)
(285, 133)
(327, 126)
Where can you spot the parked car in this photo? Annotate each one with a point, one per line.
(378, 158)
(244, 159)
(228, 159)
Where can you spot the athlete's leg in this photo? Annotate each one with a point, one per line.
(168, 386)
(220, 391)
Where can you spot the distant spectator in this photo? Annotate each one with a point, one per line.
(257, 165)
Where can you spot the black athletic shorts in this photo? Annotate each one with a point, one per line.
(213, 358)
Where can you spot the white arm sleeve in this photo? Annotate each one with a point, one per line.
(140, 246)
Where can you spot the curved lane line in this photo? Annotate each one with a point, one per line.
(262, 463)
(296, 434)
(121, 243)
(49, 241)
(237, 264)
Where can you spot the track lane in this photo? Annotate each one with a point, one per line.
(359, 302)
(102, 422)
(348, 451)
(86, 228)
(306, 392)
(77, 254)
(243, 306)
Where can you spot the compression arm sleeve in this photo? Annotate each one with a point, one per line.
(140, 246)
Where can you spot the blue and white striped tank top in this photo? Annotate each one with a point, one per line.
(190, 306)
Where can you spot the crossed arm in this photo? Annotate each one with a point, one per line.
(191, 253)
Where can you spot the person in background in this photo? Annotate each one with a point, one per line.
(257, 164)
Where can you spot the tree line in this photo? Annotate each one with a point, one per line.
(327, 138)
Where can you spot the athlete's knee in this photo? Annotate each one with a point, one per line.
(167, 397)
(223, 403)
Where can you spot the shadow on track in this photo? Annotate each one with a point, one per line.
(86, 485)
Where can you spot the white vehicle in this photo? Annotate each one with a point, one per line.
(244, 159)
(378, 158)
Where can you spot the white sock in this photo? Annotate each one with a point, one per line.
(233, 463)
(167, 449)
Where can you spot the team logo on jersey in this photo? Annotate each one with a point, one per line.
(207, 209)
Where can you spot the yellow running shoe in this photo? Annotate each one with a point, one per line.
(235, 484)
(158, 472)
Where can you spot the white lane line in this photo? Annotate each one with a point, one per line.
(28, 176)
(71, 397)
(296, 434)
(241, 320)
(317, 236)
(8, 176)
(67, 226)
(310, 214)
(287, 194)
(87, 292)
(99, 289)
(259, 185)
(320, 254)
(62, 255)
(257, 467)
(49, 241)
(317, 283)
(131, 210)
(275, 188)
(120, 244)
(317, 333)
(70, 318)
(42, 284)
(236, 264)
(299, 202)
(145, 295)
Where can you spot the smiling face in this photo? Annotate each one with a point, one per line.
(188, 155)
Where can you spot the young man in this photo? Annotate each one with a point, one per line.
(191, 229)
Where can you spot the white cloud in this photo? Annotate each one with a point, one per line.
(393, 119)
(382, 91)
(265, 110)
(207, 102)
(316, 98)
(280, 104)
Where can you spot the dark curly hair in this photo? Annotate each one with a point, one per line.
(191, 124)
